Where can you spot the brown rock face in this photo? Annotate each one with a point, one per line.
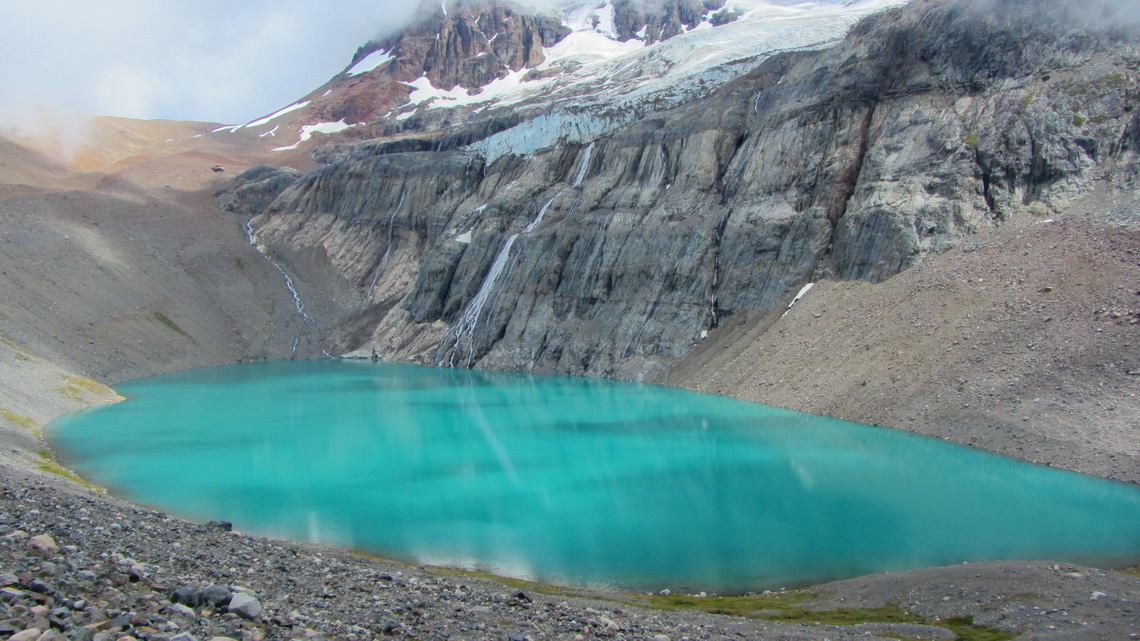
(469, 45)
(661, 20)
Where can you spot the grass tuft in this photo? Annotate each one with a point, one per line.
(50, 466)
(165, 320)
(22, 421)
(782, 607)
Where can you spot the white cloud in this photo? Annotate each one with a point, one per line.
(212, 60)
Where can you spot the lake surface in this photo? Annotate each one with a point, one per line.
(578, 482)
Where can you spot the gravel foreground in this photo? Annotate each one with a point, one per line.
(79, 565)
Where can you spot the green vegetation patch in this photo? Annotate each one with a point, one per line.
(165, 320)
(22, 421)
(95, 387)
(78, 389)
(743, 606)
(972, 141)
(785, 607)
(50, 466)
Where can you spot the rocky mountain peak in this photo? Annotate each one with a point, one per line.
(467, 44)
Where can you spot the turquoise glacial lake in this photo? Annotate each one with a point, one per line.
(578, 482)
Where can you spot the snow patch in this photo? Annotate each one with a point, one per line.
(230, 128)
(274, 116)
(271, 132)
(464, 238)
(803, 291)
(320, 128)
(369, 62)
(605, 21)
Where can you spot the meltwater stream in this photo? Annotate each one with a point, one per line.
(578, 482)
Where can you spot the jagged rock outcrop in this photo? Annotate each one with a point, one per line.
(653, 22)
(453, 44)
(254, 189)
(923, 126)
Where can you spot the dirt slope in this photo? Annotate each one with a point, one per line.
(1024, 342)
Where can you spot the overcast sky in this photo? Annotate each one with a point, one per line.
(224, 61)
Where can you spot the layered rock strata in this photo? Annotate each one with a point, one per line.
(927, 124)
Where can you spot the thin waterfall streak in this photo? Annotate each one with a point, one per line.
(292, 290)
(468, 320)
(249, 234)
(584, 166)
(387, 249)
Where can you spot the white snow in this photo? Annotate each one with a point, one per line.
(464, 238)
(423, 91)
(274, 116)
(230, 128)
(320, 128)
(605, 18)
(370, 62)
(614, 83)
(271, 132)
(803, 291)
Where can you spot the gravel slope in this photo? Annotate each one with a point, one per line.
(1024, 342)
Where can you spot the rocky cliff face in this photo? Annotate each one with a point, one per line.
(615, 257)
(453, 45)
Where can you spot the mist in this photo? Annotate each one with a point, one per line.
(210, 60)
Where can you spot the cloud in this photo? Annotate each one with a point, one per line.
(211, 60)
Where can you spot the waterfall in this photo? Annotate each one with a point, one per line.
(468, 320)
(387, 249)
(249, 235)
(584, 166)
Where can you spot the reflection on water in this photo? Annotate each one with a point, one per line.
(579, 481)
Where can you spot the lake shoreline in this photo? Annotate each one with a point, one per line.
(339, 594)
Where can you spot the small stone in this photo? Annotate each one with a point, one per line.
(43, 543)
(224, 526)
(82, 634)
(245, 606)
(52, 635)
(661, 637)
(184, 610)
(608, 624)
(183, 636)
(216, 595)
(1097, 596)
(666, 592)
(31, 634)
(187, 596)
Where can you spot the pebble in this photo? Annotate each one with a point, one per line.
(43, 543)
(245, 606)
(31, 634)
